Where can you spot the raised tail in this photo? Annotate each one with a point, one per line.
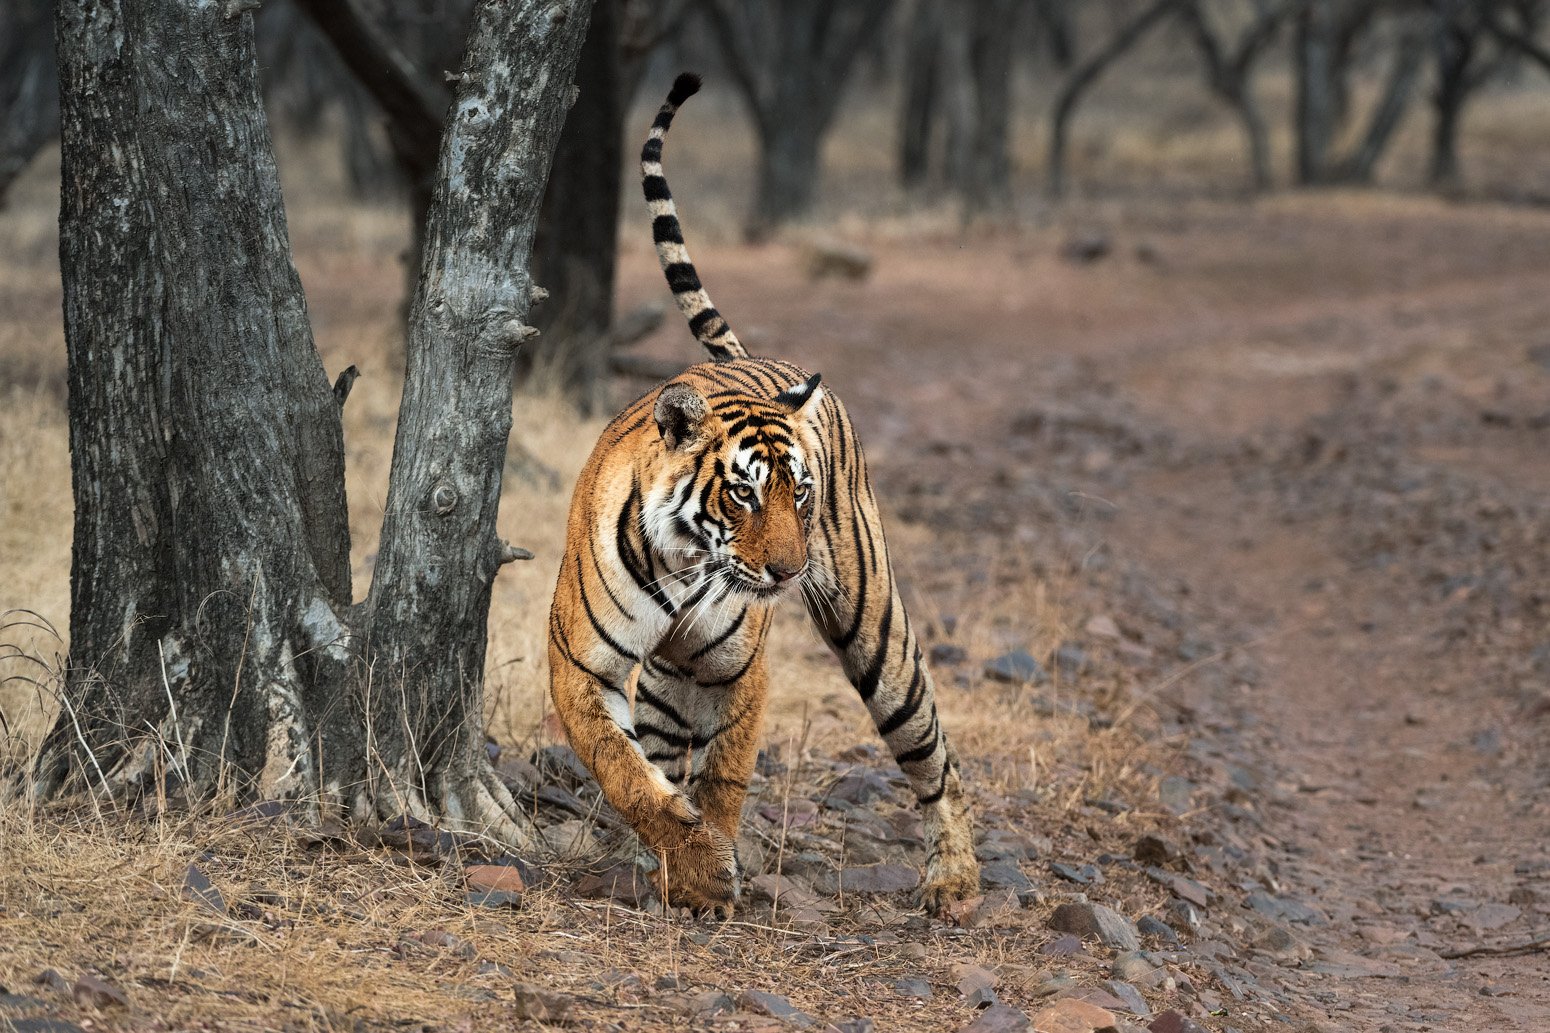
(704, 321)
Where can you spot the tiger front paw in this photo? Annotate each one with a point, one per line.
(701, 874)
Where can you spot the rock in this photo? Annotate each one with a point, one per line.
(861, 1025)
(972, 977)
(1072, 1015)
(965, 914)
(97, 993)
(414, 836)
(808, 919)
(775, 1006)
(1133, 967)
(912, 986)
(1082, 875)
(623, 882)
(1004, 875)
(670, 981)
(1101, 625)
(572, 840)
(825, 258)
(1487, 917)
(1111, 928)
(999, 1018)
(1062, 946)
(1181, 886)
(795, 813)
(859, 787)
(1154, 850)
(1183, 913)
(784, 891)
(1052, 985)
(948, 655)
(1086, 247)
(52, 979)
(198, 888)
(447, 941)
(1286, 909)
(1071, 659)
(1018, 667)
(1157, 929)
(1278, 940)
(1171, 1021)
(1131, 998)
(493, 899)
(535, 1004)
(505, 878)
(870, 878)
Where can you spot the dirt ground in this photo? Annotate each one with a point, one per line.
(1263, 491)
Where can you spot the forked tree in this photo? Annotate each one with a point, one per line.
(216, 644)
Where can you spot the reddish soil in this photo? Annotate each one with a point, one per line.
(1311, 437)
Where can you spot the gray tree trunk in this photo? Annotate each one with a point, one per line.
(578, 229)
(1316, 102)
(214, 646)
(29, 87)
(922, 92)
(790, 59)
(1085, 74)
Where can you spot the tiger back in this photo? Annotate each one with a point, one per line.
(703, 504)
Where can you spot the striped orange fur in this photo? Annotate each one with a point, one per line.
(703, 504)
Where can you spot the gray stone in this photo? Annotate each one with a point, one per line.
(1171, 1021)
(912, 987)
(1133, 967)
(1176, 793)
(775, 1006)
(1134, 1003)
(870, 878)
(1082, 874)
(948, 655)
(1002, 875)
(1183, 914)
(1286, 909)
(999, 1018)
(1018, 667)
(1110, 927)
(1147, 925)
(1071, 659)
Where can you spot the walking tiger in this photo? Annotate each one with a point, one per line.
(702, 505)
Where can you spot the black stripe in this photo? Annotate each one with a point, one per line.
(660, 705)
(653, 149)
(752, 656)
(597, 625)
(926, 801)
(918, 754)
(664, 117)
(656, 188)
(671, 738)
(681, 277)
(702, 319)
(558, 637)
(598, 567)
(867, 683)
(665, 230)
(907, 710)
(719, 639)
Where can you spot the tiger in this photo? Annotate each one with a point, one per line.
(703, 504)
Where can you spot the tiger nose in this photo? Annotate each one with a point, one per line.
(781, 574)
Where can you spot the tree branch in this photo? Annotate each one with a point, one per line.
(1523, 44)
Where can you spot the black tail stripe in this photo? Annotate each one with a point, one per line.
(681, 277)
(653, 150)
(665, 230)
(655, 188)
(702, 320)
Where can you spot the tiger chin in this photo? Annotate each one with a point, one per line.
(736, 483)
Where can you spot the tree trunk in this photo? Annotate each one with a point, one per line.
(1387, 114)
(989, 184)
(1316, 103)
(578, 230)
(921, 93)
(788, 169)
(214, 647)
(29, 87)
(1453, 43)
(1085, 75)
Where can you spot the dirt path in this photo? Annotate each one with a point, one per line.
(1334, 446)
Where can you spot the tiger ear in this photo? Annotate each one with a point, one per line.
(798, 396)
(682, 415)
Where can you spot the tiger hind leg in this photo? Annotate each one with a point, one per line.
(853, 601)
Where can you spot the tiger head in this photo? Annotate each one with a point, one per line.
(737, 492)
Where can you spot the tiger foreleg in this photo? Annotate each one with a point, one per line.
(699, 865)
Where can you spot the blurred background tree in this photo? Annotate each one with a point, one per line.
(963, 76)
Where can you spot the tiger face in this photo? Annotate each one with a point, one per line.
(737, 495)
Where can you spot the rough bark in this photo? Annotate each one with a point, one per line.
(29, 91)
(790, 59)
(1399, 89)
(1086, 74)
(213, 641)
(578, 230)
(211, 547)
(1316, 105)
